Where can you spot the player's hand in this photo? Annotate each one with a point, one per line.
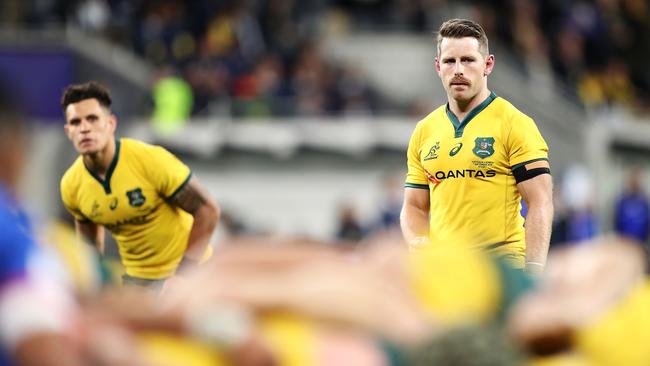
(534, 268)
(187, 264)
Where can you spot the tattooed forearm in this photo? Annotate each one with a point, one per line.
(189, 198)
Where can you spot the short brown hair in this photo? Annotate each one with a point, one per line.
(91, 90)
(461, 28)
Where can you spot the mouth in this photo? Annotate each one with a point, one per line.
(458, 82)
(85, 141)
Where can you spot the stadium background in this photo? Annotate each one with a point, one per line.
(296, 114)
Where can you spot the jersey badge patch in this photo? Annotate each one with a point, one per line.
(136, 198)
(484, 147)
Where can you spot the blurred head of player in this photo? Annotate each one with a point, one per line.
(12, 142)
(89, 122)
(463, 61)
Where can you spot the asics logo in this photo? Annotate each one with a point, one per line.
(456, 149)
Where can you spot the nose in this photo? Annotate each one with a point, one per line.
(458, 69)
(84, 125)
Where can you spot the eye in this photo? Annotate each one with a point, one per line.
(74, 122)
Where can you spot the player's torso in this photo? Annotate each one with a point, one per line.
(472, 158)
(120, 202)
(473, 192)
(129, 201)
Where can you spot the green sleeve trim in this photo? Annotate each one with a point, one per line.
(527, 162)
(414, 185)
(181, 186)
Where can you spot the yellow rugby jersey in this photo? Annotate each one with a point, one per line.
(469, 287)
(131, 202)
(467, 168)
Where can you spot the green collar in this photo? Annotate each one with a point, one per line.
(106, 183)
(460, 126)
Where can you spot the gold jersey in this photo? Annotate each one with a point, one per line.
(131, 202)
(467, 168)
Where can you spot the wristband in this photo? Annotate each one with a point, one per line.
(417, 243)
(536, 263)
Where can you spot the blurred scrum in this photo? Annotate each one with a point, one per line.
(296, 114)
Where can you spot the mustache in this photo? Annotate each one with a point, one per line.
(459, 80)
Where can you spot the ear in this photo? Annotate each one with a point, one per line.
(112, 121)
(438, 65)
(66, 129)
(489, 65)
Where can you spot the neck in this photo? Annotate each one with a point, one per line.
(99, 161)
(460, 108)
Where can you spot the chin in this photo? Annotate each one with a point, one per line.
(86, 150)
(460, 96)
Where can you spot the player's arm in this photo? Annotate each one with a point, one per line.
(195, 199)
(94, 233)
(536, 188)
(414, 218)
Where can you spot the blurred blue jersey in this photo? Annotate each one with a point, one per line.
(16, 244)
(633, 216)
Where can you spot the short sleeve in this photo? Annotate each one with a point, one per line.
(168, 173)
(415, 177)
(70, 202)
(525, 142)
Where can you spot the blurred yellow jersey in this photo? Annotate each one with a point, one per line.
(131, 202)
(455, 285)
(79, 260)
(619, 336)
(467, 168)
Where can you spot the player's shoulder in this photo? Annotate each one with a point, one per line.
(509, 111)
(136, 147)
(432, 118)
(139, 153)
(72, 175)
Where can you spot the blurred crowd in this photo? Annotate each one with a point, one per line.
(591, 45)
(240, 58)
(263, 58)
